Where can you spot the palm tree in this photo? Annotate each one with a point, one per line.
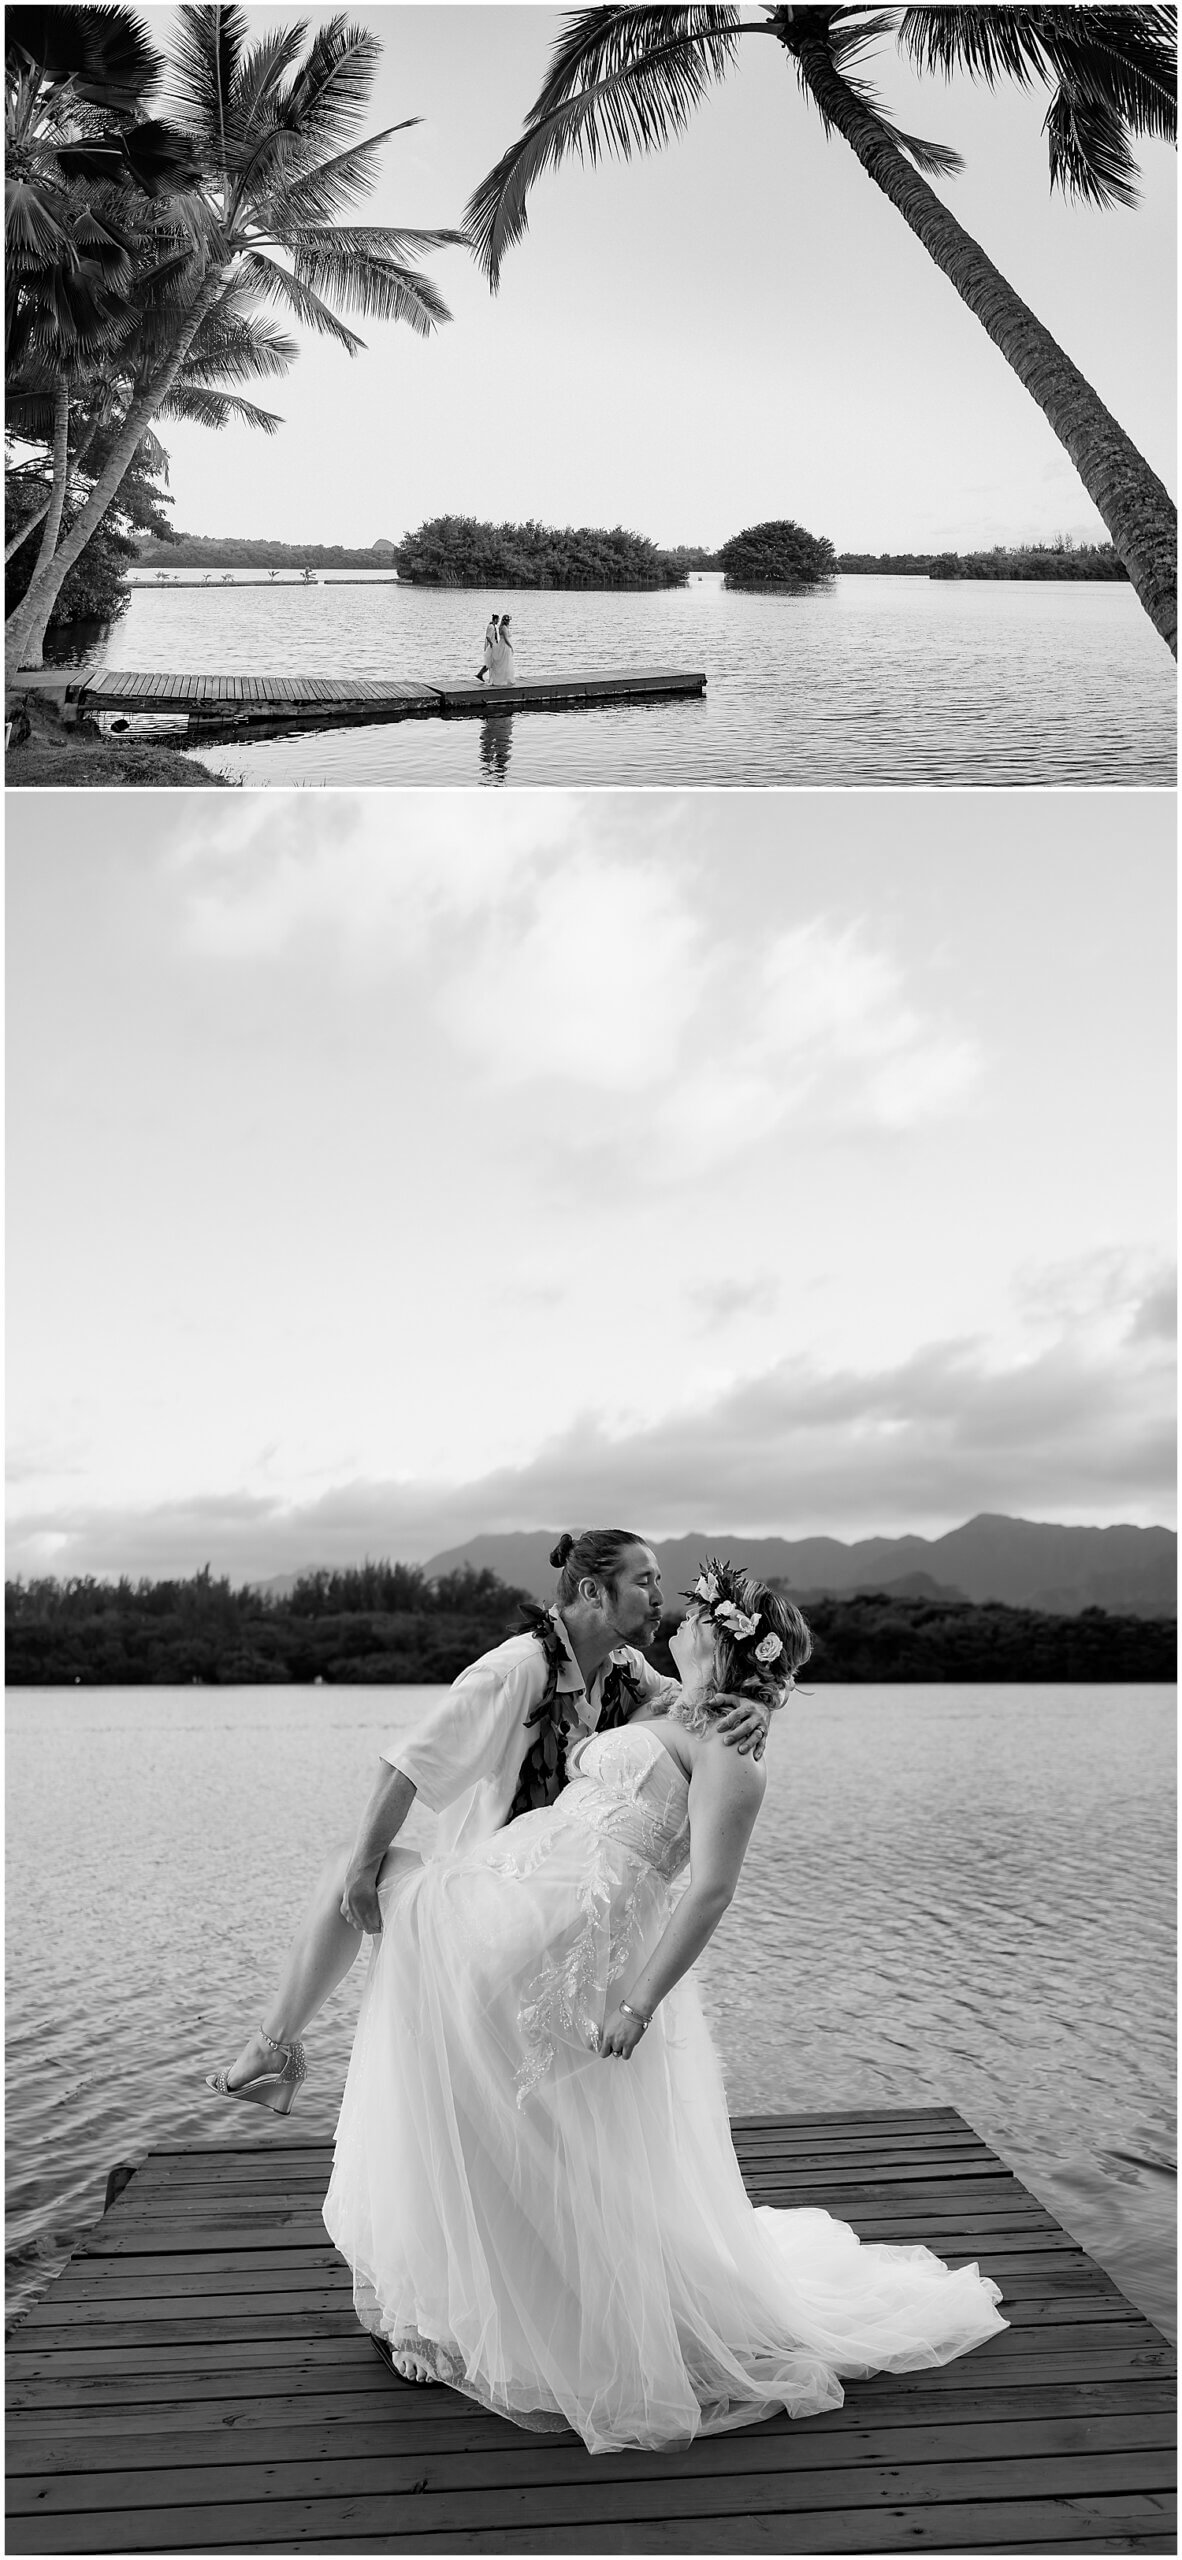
(269, 126)
(82, 165)
(625, 79)
(233, 346)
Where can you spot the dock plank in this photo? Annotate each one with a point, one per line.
(195, 2380)
(869, 2495)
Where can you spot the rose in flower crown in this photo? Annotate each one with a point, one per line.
(762, 1639)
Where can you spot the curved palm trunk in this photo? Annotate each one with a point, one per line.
(57, 485)
(24, 632)
(29, 526)
(31, 522)
(1135, 506)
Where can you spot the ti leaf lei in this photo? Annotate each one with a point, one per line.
(543, 1770)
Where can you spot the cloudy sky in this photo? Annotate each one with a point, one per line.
(387, 1168)
(738, 328)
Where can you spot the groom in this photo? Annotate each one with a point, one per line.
(573, 1669)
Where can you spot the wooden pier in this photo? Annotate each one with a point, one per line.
(216, 705)
(195, 2381)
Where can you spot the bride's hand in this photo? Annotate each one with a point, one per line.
(619, 2037)
(359, 1902)
(746, 1727)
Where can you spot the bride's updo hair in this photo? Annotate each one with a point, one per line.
(595, 1551)
(757, 1658)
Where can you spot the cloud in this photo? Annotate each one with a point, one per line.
(360, 882)
(594, 979)
(719, 1301)
(1075, 1430)
(1118, 1292)
(1156, 1316)
(616, 981)
(559, 954)
(819, 1027)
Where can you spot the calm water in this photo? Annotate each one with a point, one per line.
(954, 1896)
(888, 681)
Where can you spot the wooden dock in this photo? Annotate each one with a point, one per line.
(195, 2381)
(214, 704)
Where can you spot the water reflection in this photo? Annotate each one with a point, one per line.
(496, 745)
(78, 644)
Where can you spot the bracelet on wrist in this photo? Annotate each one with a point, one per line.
(628, 2011)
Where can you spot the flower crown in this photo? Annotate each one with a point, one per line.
(718, 1593)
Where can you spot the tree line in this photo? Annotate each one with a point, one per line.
(886, 1636)
(227, 551)
(1029, 560)
(770, 554)
(387, 1624)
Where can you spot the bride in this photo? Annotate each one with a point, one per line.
(534, 2181)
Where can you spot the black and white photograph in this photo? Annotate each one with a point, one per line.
(591, 1586)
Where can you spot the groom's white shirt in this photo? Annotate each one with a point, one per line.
(465, 1757)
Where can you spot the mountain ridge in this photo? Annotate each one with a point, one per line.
(1033, 1564)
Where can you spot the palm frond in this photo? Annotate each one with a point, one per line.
(104, 53)
(1113, 73)
(375, 287)
(260, 76)
(377, 239)
(32, 230)
(598, 43)
(657, 65)
(990, 44)
(319, 194)
(277, 284)
(208, 44)
(1089, 151)
(331, 91)
(203, 408)
(231, 347)
(160, 159)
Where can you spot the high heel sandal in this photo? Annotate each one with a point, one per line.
(274, 2089)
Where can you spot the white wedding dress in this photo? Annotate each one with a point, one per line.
(573, 2233)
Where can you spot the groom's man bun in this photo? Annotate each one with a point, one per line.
(594, 1552)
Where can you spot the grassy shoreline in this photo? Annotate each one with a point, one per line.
(53, 758)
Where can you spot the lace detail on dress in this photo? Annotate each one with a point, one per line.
(619, 1796)
(564, 2001)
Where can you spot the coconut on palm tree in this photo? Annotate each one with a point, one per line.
(270, 127)
(628, 79)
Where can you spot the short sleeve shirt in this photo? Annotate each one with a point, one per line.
(465, 1758)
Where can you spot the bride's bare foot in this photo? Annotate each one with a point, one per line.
(412, 2365)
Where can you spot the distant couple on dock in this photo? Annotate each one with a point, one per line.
(498, 667)
(568, 2245)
